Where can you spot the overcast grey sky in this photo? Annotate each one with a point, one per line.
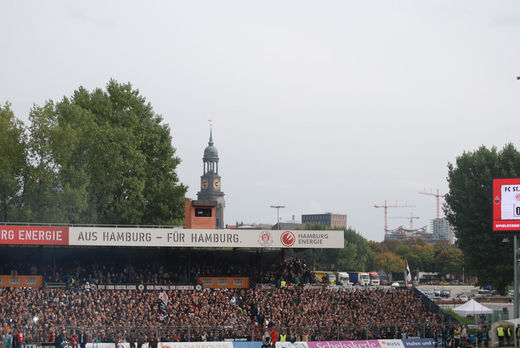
(321, 106)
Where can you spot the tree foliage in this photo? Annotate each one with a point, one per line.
(13, 163)
(468, 209)
(389, 263)
(388, 256)
(101, 157)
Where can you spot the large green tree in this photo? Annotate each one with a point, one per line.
(102, 157)
(468, 209)
(13, 163)
(390, 263)
(447, 259)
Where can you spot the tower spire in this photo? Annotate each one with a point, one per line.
(210, 143)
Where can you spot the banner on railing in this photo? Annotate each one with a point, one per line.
(195, 345)
(247, 344)
(391, 344)
(225, 282)
(419, 342)
(291, 345)
(8, 281)
(103, 345)
(148, 287)
(345, 344)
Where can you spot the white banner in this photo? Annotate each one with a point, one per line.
(101, 345)
(291, 345)
(195, 345)
(176, 237)
(391, 343)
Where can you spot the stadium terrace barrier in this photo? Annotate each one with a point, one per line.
(432, 306)
(240, 333)
(393, 343)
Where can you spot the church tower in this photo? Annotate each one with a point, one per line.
(210, 184)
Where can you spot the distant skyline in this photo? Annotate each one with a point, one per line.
(329, 106)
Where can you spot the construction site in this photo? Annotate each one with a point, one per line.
(440, 229)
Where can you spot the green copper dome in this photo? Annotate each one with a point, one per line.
(210, 152)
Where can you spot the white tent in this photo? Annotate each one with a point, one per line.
(473, 308)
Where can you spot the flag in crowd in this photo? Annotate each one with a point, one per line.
(407, 273)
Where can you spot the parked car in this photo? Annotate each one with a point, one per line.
(463, 298)
(437, 292)
(445, 293)
(395, 285)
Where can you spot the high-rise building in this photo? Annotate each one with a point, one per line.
(327, 219)
(210, 182)
(441, 229)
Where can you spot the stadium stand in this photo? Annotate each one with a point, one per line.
(72, 301)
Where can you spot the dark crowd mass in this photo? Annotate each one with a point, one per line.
(283, 299)
(299, 313)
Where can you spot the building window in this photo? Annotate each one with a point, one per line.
(203, 212)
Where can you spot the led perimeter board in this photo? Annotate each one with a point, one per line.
(506, 204)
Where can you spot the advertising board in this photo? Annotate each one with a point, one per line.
(34, 235)
(419, 343)
(345, 344)
(33, 281)
(169, 237)
(506, 204)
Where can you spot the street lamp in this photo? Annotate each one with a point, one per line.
(277, 207)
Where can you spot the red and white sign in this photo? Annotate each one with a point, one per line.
(34, 235)
(169, 237)
(287, 238)
(506, 204)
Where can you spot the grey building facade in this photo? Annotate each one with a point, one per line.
(327, 219)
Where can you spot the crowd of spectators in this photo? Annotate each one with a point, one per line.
(300, 312)
(293, 270)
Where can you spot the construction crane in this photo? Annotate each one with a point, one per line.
(436, 195)
(386, 206)
(411, 217)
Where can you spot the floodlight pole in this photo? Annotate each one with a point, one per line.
(516, 254)
(515, 274)
(277, 207)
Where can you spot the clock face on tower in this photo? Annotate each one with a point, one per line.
(204, 184)
(216, 184)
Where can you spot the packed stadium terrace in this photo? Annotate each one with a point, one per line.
(163, 266)
(303, 313)
(302, 310)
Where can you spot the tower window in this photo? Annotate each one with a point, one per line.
(203, 212)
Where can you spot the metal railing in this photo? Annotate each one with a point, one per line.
(221, 333)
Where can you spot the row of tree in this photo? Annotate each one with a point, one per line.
(388, 256)
(100, 157)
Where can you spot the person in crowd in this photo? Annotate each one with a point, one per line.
(501, 335)
(19, 339)
(463, 336)
(58, 339)
(74, 340)
(517, 333)
(83, 339)
(8, 339)
(485, 336)
(456, 335)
